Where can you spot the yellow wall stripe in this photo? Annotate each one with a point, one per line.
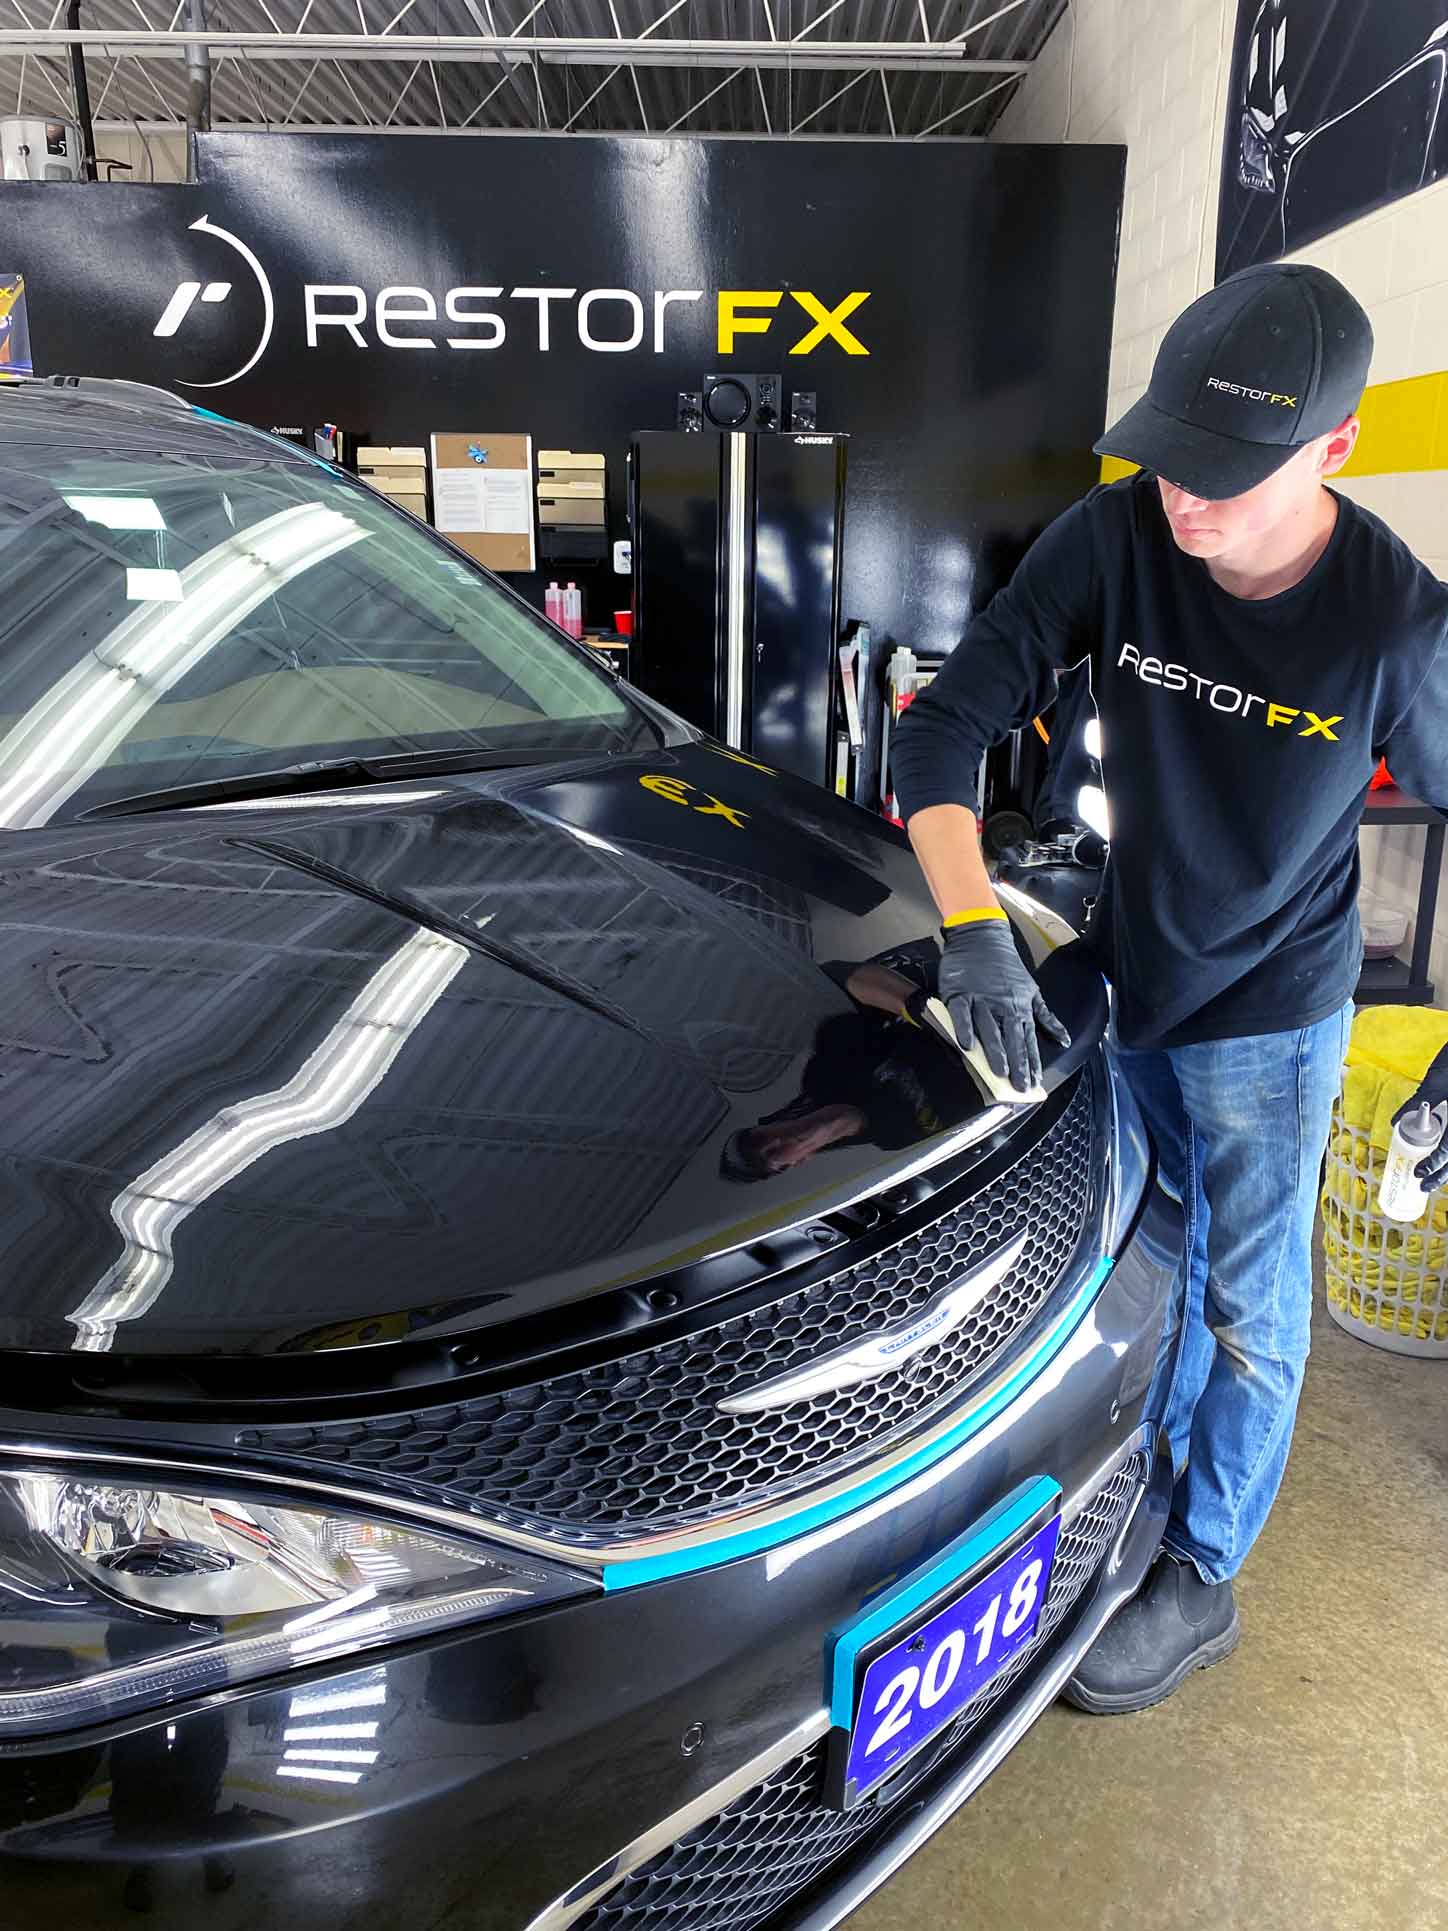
(1405, 427)
(1113, 469)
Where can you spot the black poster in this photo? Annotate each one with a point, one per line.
(949, 306)
(1335, 107)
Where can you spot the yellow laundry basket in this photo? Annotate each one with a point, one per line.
(1386, 1283)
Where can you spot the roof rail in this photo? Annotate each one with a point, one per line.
(102, 385)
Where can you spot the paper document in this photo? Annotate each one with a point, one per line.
(483, 502)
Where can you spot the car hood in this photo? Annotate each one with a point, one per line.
(343, 1071)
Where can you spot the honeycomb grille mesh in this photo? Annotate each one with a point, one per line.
(731, 1872)
(639, 1446)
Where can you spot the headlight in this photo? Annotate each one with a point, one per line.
(115, 1594)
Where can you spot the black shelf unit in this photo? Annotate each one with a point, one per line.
(1405, 982)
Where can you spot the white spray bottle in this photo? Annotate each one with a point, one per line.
(1401, 1195)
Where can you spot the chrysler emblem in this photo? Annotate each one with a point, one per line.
(882, 1353)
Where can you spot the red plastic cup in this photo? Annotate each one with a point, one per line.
(623, 622)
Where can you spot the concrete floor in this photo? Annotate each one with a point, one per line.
(1303, 1783)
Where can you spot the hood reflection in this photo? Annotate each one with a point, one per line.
(338, 1076)
(876, 1075)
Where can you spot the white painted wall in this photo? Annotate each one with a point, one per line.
(1154, 75)
(165, 161)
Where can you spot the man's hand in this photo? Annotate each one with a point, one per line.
(1432, 1169)
(993, 998)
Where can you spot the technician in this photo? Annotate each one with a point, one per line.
(1256, 642)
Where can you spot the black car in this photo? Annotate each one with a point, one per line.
(536, 1392)
(1340, 109)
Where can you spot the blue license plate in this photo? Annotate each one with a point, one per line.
(910, 1690)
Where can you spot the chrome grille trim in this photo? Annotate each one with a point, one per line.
(648, 1448)
(597, 1560)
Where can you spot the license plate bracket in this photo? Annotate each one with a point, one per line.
(900, 1673)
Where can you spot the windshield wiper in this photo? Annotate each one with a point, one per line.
(318, 774)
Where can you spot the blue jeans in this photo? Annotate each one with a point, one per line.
(1240, 1127)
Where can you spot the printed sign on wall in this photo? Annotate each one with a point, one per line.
(1334, 109)
(482, 497)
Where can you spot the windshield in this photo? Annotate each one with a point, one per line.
(189, 607)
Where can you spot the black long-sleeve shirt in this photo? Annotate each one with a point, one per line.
(1238, 739)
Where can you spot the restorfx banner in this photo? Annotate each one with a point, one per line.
(949, 305)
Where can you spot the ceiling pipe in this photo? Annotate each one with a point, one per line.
(81, 91)
(198, 71)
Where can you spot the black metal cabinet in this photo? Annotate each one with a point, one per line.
(736, 561)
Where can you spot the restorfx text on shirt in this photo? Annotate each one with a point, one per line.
(1226, 698)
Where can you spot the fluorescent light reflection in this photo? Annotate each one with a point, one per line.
(154, 586)
(378, 1564)
(314, 801)
(591, 838)
(364, 1696)
(73, 729)
(333, 1756)
(119, 512)
(317, 1751)
(348, 1066)
(347, 1628)
(1091, 809)
(333, 1733)
(329, 1611)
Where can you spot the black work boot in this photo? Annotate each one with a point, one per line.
(1177, 1624)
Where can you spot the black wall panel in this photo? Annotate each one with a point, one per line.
(989, 273)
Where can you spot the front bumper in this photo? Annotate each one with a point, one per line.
(765, 1833)
(944, 1790)
(513, 1764)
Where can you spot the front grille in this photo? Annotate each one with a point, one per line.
(638, 1446)
(1079, 1554)
(773, 1842)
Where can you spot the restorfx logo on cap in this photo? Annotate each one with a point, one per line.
(1250, 394)
(1269, 360)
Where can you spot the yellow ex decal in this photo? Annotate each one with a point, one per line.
(679, 793)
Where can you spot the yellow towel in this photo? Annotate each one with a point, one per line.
(1390, 1051)
(1382, 1274)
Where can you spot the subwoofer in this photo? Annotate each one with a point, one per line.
(747, 402)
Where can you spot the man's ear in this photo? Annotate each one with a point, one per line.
(1338, 445)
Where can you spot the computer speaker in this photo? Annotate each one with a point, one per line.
(749, 402)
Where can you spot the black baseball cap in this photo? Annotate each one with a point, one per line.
(1263, 363)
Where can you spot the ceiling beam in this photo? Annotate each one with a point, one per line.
(501, 133)
(840, 56)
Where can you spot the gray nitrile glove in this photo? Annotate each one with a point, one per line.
(993, 998)
(1432, 1169)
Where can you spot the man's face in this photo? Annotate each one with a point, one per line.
(1230, 525)
(789, 1143)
